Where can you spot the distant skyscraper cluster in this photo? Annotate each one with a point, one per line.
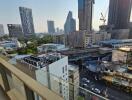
(1, 30)
(70, 24)
(51, 27)
(85, 12)
(119, 13)
(27, 21)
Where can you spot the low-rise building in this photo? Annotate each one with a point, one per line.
(50, 47)
(122, 54)
(114, 43)
(10, 45)
(59, 38)
(100, 36)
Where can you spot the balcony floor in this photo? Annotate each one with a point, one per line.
(3, 96)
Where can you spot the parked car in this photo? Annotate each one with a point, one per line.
(84, 79)
(96, 90)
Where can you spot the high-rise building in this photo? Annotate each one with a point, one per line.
(1, 30)
(27, 21)
(85, 11)
(51, 27)
(70, 24)
(119, 13)
(15, 30)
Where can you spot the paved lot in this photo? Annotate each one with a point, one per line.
(113, 93)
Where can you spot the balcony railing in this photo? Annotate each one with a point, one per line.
(20, 86)
(18, 83)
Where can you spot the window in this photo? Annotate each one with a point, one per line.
(66, 68)
(63, 70)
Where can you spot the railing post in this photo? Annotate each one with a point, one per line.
(4, 78)
(29, 93)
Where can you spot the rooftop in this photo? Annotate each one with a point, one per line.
(42, 60)
(115, 41)
(126, 49)
(52, 44)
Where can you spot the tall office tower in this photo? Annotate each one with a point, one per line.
(27, 21)
(15, 30)
(70, 24)
(1, 30)
(119, 13)
(51, 27)
(85, 12)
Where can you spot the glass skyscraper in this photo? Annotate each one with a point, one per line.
(15, 30)
(27, 21)
(51, 27)
(70, 24)
(85, 11)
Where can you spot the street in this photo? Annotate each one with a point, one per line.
(112, 92)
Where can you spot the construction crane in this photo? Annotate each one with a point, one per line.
(103, 17)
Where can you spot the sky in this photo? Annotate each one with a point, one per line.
(44, 10)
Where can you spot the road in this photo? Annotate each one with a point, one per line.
(113, 93)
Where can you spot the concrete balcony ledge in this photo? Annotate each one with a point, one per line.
(30, 83)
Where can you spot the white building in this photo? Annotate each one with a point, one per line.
(50, 70)
(51, 47)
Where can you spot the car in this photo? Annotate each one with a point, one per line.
(84, 79)
(85, 85)
(96, 90)
(88, 81)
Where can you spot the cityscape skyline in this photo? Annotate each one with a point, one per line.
(66, 50)
(40, 19)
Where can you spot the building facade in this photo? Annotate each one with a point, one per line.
(27, 21)
(70, 24)
(79, 39)
(51, 70)
(122, 54)
(85, 12)
(73, 82)
(51, 27)
(119, 13)
(59, 38)
(100, 36)
(2, 30)
(15, 30)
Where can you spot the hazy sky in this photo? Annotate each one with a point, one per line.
(44, 10)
